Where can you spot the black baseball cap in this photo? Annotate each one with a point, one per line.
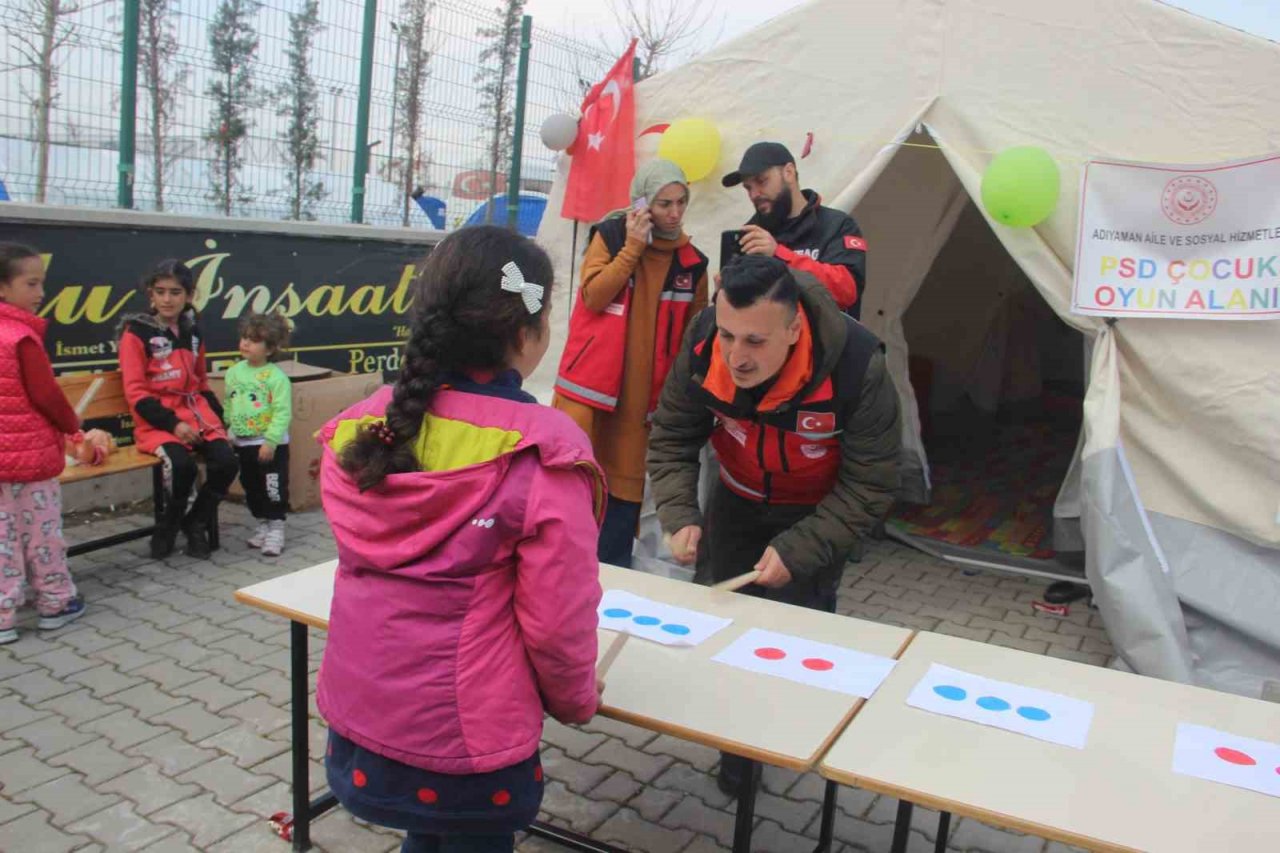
(761, 156)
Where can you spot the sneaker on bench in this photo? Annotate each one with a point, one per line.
(72, 611)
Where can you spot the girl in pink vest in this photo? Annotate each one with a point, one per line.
(34, 418)
(466, 518)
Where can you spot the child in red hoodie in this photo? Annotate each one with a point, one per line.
(175, 415)
(34, 417)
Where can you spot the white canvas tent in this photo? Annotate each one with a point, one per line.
(1176, 485)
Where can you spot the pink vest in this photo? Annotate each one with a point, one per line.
(31, 448)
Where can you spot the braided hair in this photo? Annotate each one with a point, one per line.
(462, 320)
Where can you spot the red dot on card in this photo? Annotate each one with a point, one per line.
(769, 653)
(501, 798)
(428, 796)
(359, 779)
(819, 664)
(1234, 756)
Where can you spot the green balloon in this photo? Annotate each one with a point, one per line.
(1020, 187)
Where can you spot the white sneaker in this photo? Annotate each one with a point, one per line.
(273, 542)
(260, 535)
(8, 635)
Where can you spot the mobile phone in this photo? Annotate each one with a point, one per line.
(730, 246)
(642, 204)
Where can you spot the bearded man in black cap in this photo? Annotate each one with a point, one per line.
(792, 225)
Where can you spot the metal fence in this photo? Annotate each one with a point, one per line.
(83, 146)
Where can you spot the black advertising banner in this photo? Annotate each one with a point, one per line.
(347, 298)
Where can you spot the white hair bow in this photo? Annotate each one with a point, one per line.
(513, 282)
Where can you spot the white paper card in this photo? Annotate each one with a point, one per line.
(653, 620)
(808, 662)
(1012, 707)
(1230, 759)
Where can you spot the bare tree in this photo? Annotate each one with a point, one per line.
(664, 29)
(41, 29)
(496, 78)
(299, 104)
(232, 43)
(164, 78)
(414, 29)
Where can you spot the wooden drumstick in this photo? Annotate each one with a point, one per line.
(611, 654)
(737, 583)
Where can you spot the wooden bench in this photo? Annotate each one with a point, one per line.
(109, 402)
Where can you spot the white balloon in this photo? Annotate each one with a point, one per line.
(559, 131)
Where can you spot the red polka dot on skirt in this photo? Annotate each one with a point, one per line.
(501, 798)
(359, 779)
(428, 796)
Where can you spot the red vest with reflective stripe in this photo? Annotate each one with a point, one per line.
(31, 448)
(789, 454)
(591, 366)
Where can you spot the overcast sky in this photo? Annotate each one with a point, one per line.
(587, 18)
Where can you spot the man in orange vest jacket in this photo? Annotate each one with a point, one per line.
(796, 400)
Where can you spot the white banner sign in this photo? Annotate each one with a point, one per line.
(1198, 242)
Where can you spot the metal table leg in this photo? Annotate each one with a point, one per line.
(901, 827)
(826, 832)
(944, 829)
(569, 839)
(305, 809)
(298, 712)
(742, 826)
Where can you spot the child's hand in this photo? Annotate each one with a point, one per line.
(187, 433)
(266, 452)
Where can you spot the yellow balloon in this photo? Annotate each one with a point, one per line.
(693, 144)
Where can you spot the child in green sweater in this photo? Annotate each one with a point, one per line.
(259, 406)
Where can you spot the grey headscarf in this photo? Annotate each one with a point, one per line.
(648, 182)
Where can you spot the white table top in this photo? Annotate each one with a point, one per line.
(681, 691)
(1118, 793)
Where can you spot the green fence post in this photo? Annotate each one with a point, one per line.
(128, 106)
(362, 111)
(517, 144)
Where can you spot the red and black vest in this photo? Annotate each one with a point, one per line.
(592, 363)
(783, 451)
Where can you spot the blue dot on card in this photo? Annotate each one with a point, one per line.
(993, 703)
(617, 613)
(1030, 712)
(950, 691)
(672, 628)
(646, 620)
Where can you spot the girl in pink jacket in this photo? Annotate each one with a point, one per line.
(466, 517)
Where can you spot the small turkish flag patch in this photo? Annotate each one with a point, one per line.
(855, 243)
(816, 421)
(684, 281)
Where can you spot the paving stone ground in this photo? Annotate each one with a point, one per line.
(159, 721)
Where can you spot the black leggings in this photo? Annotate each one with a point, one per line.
(221, 467)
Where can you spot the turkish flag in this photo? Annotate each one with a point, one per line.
(604, 154)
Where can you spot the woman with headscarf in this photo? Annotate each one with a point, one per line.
(642, 282)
